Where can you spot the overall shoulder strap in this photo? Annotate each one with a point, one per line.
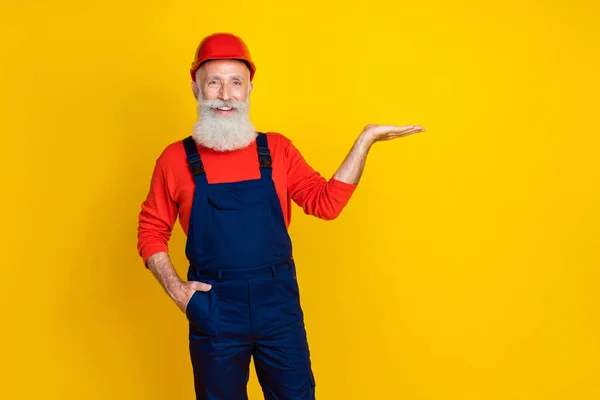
(264, 156)
(193, 158)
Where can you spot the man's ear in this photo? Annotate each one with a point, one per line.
(194, 87)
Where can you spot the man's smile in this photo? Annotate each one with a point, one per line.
(224, 110)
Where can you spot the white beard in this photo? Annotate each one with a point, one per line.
(223, 132)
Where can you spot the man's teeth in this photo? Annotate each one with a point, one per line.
(225, 108)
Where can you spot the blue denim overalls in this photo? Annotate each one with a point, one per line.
(238, 242)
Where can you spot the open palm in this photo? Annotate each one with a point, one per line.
(388, 132)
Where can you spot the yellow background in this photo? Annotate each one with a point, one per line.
(465, 266)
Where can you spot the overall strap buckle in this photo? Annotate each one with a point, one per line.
(193, 158)
(264, 154)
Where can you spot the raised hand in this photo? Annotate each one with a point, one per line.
(376, 133)
(351, 169)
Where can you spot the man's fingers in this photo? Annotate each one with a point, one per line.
(392, 128)
(387, 129)
(201, 286)
(394, 135)
(411, 129)
(415, 130)
(408, 133)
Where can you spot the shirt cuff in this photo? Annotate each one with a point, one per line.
(343, 186)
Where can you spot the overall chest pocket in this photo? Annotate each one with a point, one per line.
(239, 198)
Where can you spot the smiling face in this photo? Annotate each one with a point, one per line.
(222, 88)
(222, 79)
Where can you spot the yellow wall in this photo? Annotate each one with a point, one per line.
(465, 267)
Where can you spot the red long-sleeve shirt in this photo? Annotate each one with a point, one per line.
(172, 187)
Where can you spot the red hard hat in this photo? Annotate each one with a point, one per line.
(222, 46)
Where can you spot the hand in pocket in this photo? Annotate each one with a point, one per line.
(186, 292)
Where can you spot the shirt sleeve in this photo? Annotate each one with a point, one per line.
(158, 215)
(317, 196)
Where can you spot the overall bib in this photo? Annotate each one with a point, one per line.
(238, 242)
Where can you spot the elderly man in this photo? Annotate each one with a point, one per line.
(232, 189)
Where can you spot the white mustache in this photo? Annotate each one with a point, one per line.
(218, 103)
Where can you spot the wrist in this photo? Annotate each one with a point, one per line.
(175, 289)
(365, 141)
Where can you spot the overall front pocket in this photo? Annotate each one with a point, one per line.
(202, 312)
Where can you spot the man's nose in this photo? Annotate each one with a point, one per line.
(224, 93)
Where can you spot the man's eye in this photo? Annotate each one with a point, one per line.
(238, 83)
(213, 82)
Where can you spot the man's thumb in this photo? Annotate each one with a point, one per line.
(201, 286)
